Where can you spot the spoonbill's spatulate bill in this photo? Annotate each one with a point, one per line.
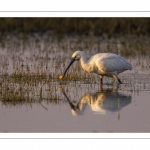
(103, 64)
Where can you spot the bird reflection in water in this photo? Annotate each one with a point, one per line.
(100, 102)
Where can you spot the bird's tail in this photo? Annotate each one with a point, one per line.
(128, 65)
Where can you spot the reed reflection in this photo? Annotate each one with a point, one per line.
(100, 102)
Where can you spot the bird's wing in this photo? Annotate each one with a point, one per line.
(112, 63)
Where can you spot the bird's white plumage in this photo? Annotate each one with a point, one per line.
(107, 62)
(103, 64)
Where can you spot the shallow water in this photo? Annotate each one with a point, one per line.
(32, 99)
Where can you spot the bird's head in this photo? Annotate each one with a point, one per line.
(75, 57)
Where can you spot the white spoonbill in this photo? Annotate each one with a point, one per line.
(103, 64)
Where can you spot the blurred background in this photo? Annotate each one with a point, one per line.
(77, 26)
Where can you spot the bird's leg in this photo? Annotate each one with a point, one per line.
(119, 81)
(101, 81)
(115, 88)
(101, 88)
(116, 77)
(101, 77)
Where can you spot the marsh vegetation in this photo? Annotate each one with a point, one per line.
(30, 65)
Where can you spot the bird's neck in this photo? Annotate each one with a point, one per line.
(84, 63)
